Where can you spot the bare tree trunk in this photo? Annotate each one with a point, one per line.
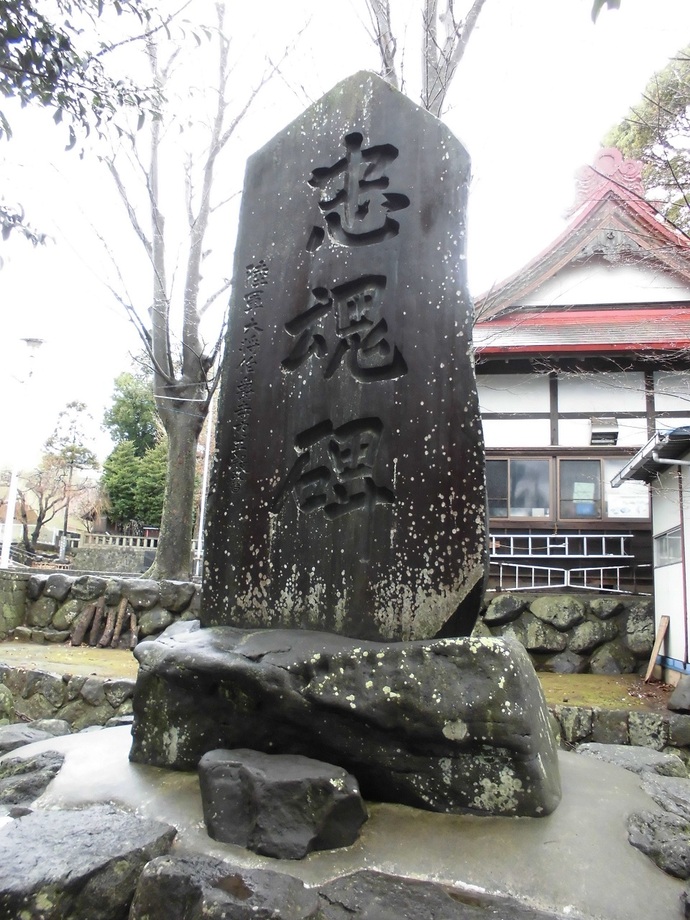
(174, 554)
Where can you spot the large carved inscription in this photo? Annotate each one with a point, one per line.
(344, 326)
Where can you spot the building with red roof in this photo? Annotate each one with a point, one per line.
(581, 357)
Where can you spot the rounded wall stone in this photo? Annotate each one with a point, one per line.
(142, 593)
(613, 658)
(541, 637)
(503, 609)
(67, 613)
(58, 586)
(41, 612)
(639, 628)
(563, 611)
(590, 634)
(88, 587)
(605, 607)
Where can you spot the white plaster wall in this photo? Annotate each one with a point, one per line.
(513, 392)
(665, 504)
(517, 433)
(602, 394)
(609, 284)
(576, 432)
(672, 393)
(668, 579)
(668, 601)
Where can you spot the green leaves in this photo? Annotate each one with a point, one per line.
(47, 61)
(657, 132)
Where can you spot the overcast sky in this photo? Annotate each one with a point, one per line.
(539, 87)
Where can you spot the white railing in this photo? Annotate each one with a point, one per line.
(571, 546)
(512, 576)
(107, 539)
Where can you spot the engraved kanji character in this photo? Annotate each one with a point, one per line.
(309, 342)
(256, 274)
(355, 205)
(334, 471)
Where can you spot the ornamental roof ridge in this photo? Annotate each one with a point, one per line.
(610, 170)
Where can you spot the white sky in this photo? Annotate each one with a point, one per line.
(538, 88)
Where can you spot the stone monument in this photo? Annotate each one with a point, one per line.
(348, 490)
(346, 544)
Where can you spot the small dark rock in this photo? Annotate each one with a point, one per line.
(665, 838)
(191, 887)
(24, 779)
(564, 663)
(283, 806)
(15, 736)
(368, 895)
(81, 864)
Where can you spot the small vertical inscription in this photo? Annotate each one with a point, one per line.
(255, 281)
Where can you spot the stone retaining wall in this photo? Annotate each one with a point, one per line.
(108, 612)
(661, 731)
(12, 601)
(569, 634)
(26, 695)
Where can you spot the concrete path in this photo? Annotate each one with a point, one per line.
(576, 862)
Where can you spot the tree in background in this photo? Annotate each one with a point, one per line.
(132, 415)
(169, 321)
(119, 482)
(445, 34)
(134, 486)
(55, 57)
(657, 132)
(67, 447)
(44, 492)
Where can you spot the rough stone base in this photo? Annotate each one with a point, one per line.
(449, 725)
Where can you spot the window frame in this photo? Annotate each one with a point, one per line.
(554, 486)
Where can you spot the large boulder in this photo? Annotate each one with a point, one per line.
(448, 725)
(83, 863)
(280, 805)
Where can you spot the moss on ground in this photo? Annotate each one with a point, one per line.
(603, 691)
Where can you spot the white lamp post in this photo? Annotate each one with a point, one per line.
(33, 345)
